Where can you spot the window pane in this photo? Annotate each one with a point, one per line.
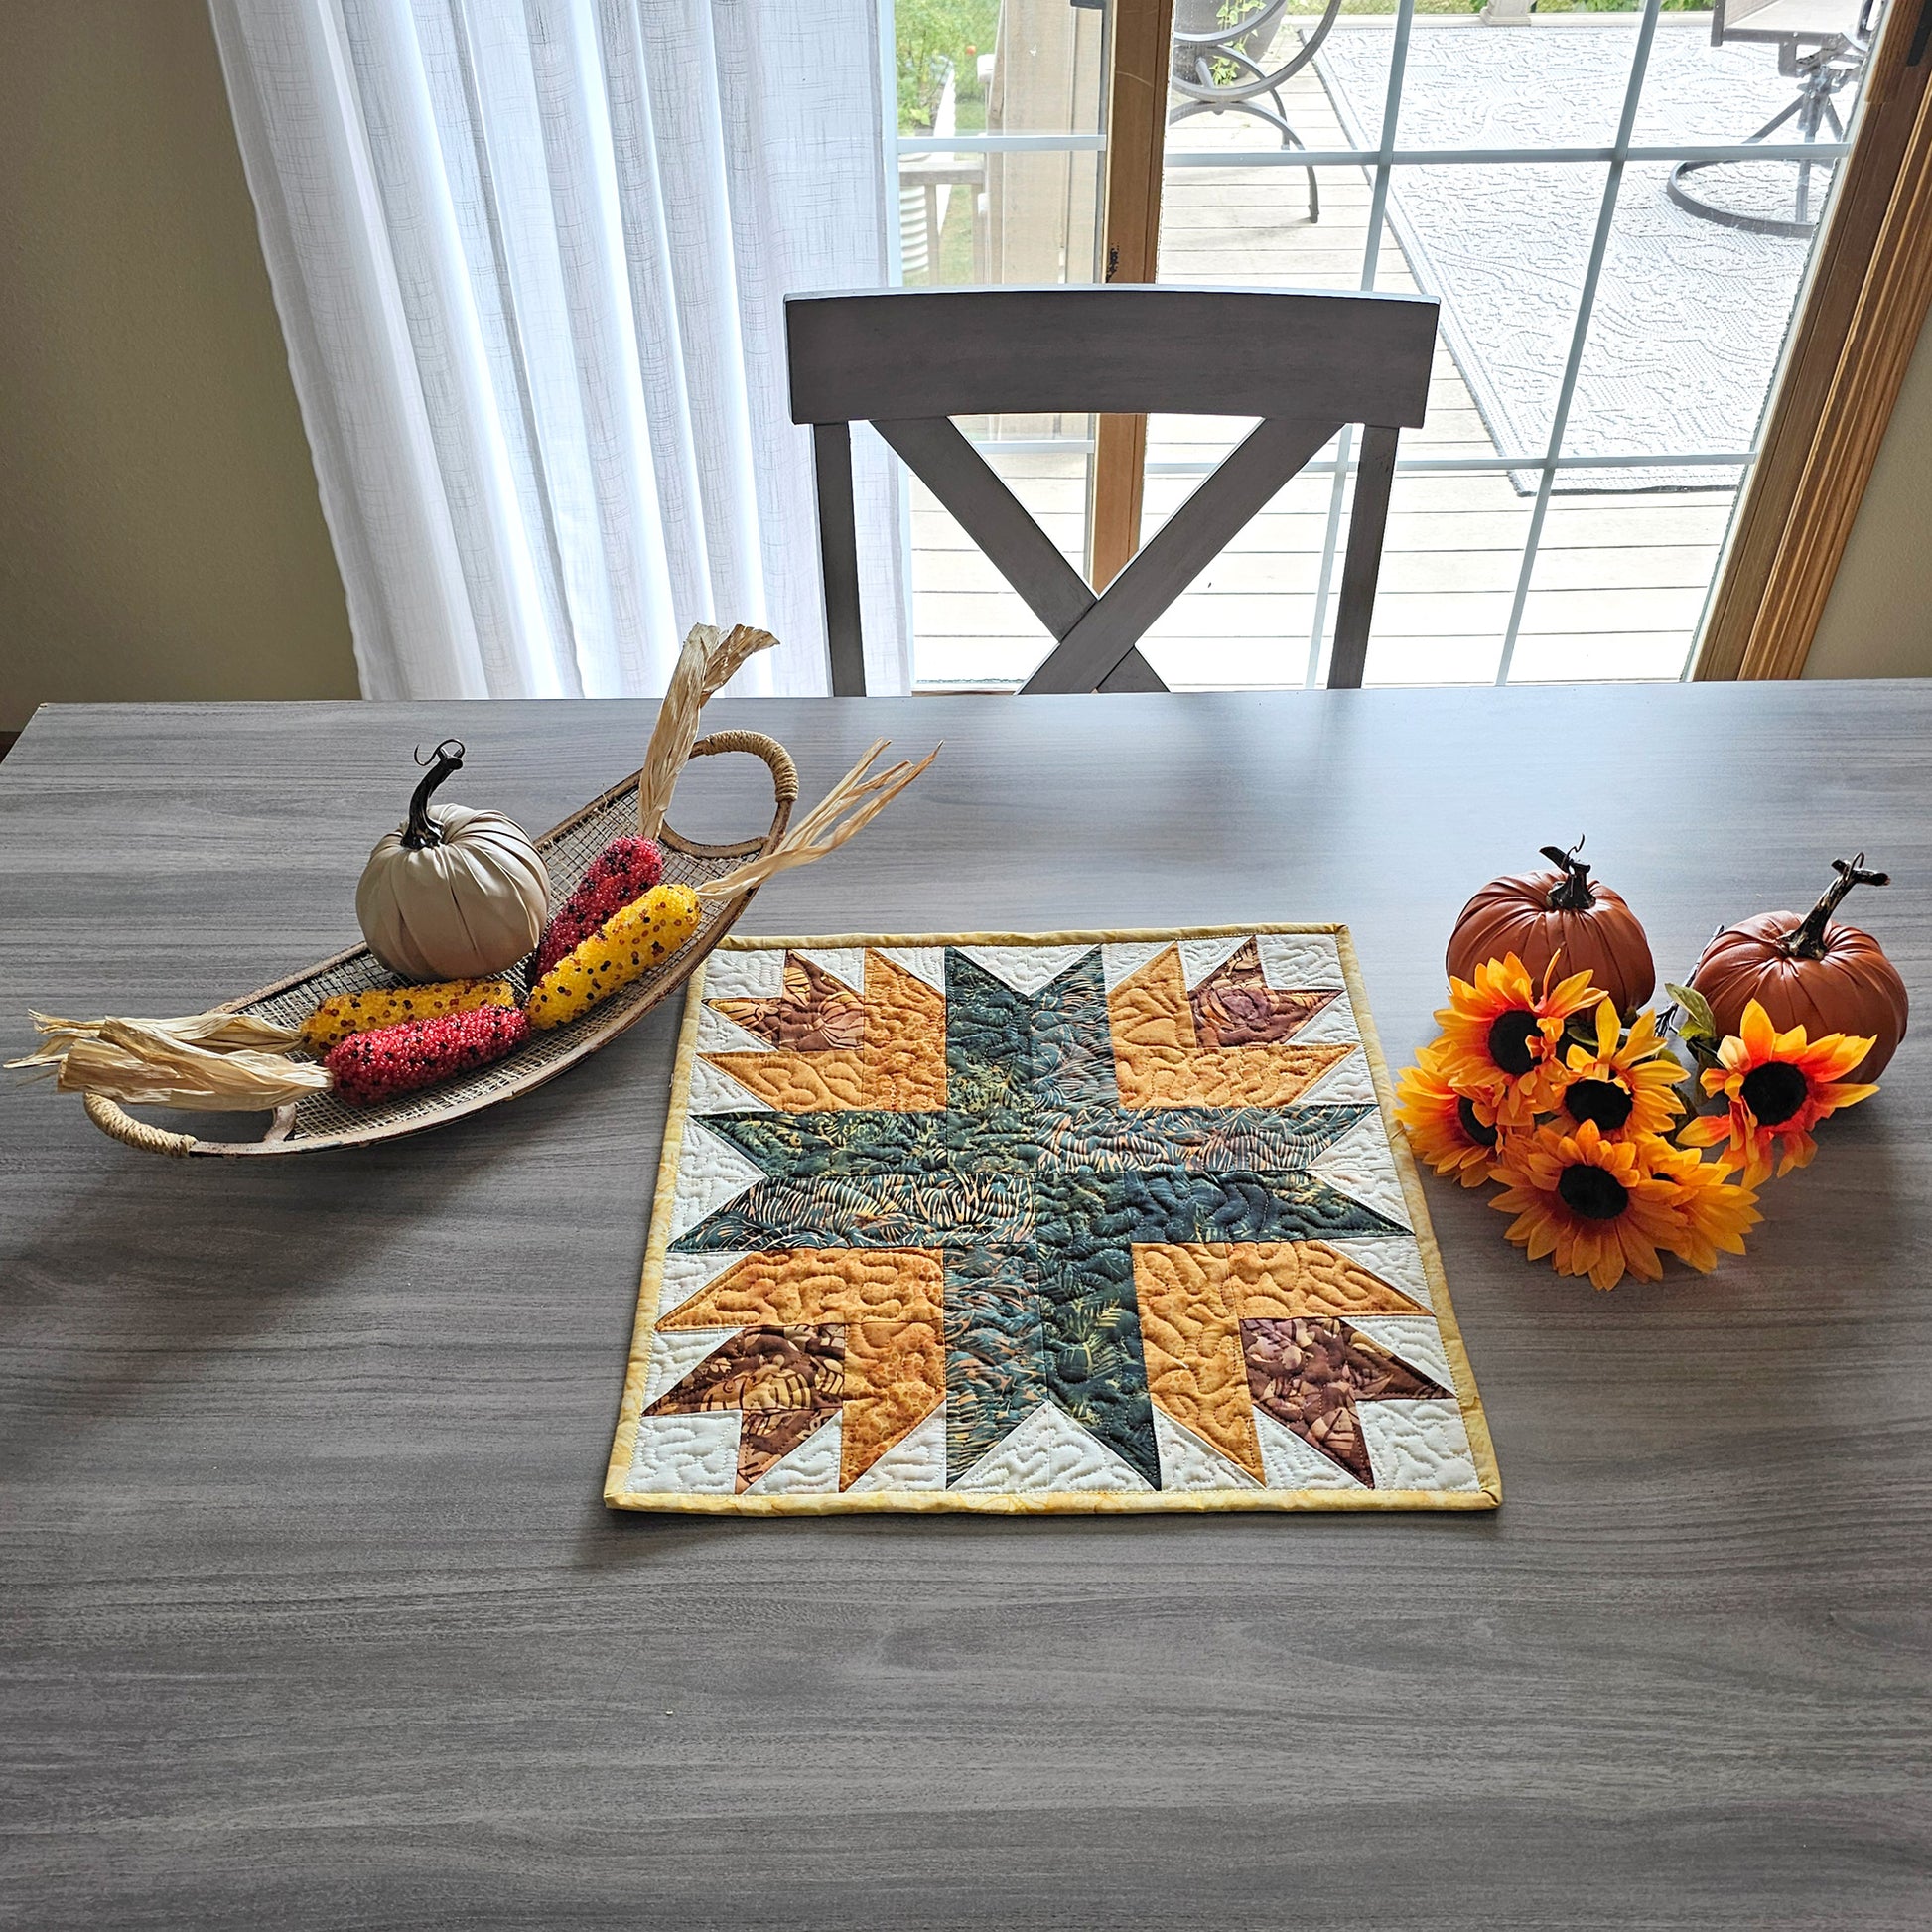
(1245, 621)
(1449, 565)
(1556, 83)
(1689, 321)
(1619, 585)
(1694, 91)
(1505, 250)
(1243, 69)
(1249, 227)
(981, 67)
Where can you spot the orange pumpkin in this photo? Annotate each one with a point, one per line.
(1810, 972)
(1539, 914)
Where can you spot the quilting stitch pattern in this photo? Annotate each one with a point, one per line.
(1062, 1225)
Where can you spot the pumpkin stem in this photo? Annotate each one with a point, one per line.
(1808, 941)
(1571, 893)
(421, 830)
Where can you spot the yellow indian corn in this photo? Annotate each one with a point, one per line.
(388, 1006)
(632, 941)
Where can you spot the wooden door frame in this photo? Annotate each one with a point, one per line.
(1860, 321)
(1137, 139)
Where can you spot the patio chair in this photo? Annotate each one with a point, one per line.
(909, 361)
(1217, 64)
(1824, 46)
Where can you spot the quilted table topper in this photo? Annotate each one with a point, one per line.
(1060, 1222)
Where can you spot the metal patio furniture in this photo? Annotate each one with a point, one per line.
(1824, 46)
(909, 361)
(1217, 66)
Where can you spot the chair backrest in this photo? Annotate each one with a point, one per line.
(907, 361)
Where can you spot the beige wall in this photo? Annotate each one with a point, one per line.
(160, 535)
(1877, 622)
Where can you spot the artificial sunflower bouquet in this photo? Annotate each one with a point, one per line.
(1592, 1126)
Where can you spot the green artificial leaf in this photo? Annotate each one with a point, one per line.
(1696, 1021)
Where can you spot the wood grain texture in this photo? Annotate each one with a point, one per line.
(312, 1616)
(838, 557)
(890, 353)
(1368, 522)
(1136, 131)
(1864, 307)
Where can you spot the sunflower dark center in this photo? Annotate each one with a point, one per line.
(1593, 1193)
(1472, 1126)
(1602, 1101)
(1510, 1034)
(1774, 1092)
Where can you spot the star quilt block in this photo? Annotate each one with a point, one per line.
(1066, 1222)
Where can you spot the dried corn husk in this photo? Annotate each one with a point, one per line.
(218, 1033)
(857, 798)
(147, 1063)
(708, 663)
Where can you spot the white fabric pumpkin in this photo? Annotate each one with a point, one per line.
(451, 893)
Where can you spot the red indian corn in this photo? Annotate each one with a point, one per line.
(626, 870)
(372, 1067)
(363, 1011)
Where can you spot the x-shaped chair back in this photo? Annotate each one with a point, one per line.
(909, 361)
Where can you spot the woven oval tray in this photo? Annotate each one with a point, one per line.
(321, 1121)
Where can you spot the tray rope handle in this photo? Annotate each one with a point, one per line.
(119, 1125)
(784, 775)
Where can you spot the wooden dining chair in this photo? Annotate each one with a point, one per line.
(909, 361)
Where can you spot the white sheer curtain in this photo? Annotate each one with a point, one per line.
(531, 257)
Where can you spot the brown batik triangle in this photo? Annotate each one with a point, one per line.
(815, 1014)
(769, 1435)
(1234, 1006)
(787, 1382)
(1308, 1373)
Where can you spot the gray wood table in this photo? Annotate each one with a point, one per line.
(312, 1616)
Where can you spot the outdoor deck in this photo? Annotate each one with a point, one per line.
(1619, 582)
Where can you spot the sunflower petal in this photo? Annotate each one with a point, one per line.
(1843, 1093)
(1639, 1253)
(1798, 1149)
(1609, 1028)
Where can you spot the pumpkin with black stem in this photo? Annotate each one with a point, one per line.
(1810, 972)
(1540, 916)
(451, 893)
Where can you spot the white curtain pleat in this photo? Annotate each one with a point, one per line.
(531, 257)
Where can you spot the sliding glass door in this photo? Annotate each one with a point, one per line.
(1616, 208)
